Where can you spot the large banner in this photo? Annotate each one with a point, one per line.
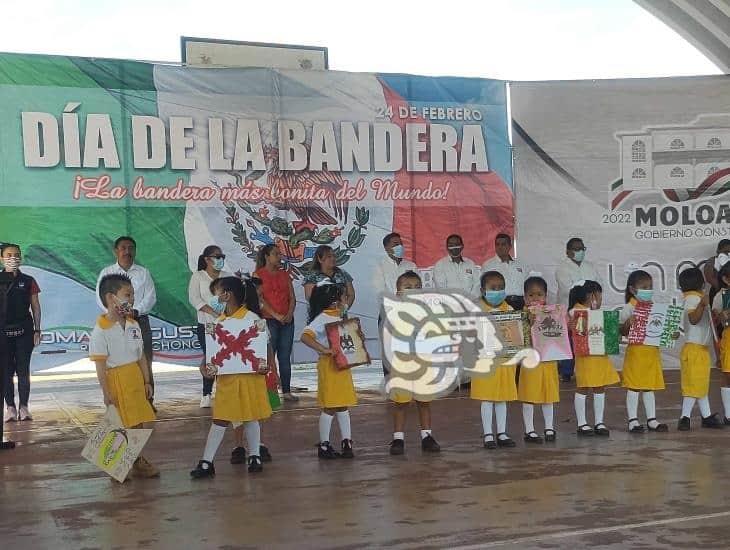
(637, 168)
(181, 158)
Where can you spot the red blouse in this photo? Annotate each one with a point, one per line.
(275, 286)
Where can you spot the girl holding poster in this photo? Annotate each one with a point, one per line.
(241, 397)
(592, 372)
(335, 389)
(642, 372)
(539, 385)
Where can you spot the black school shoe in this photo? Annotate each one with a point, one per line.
(238, 455)
(200, 472)
(397, 447)
(489, 443)
(326, 452)
(430, 445)
(601, 430)
(712, 421)
(506, 441)
(347, 449)
(532, 437)
(585, 431)
(264, 453)
(684, 424)
(658, 428)
(254, 464)
(550, 436)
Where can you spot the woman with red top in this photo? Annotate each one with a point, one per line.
(277, 307)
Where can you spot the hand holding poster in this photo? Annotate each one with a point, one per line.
(347, 343)
(596, 332)
(550, 332)
(513, 331)
(655, 324)
(112, 448)
(237, 346)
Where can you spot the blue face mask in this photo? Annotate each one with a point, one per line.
(579, 255)
(218, 263)
(644, 294)
(217, 306)
(398, 251)
(494, 297)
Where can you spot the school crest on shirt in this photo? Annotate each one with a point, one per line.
(135, 333)
(296, 211)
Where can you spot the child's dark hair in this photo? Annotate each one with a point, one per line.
(407, 275)
(535, 280)
(579, 294)
(3, 246)
(244, 292)
(724, 243)
(323, 297)
(110, 284)
(207, 251)
(261, 255)
(635, 277)
(722, 274)
(691, 279)
(490, 275)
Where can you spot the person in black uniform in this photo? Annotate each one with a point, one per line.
(22, 331)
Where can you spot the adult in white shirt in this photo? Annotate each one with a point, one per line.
(145, 297)
(512, 270)
(210, 268)
(455, 271)
(572, 269)
(388, 270)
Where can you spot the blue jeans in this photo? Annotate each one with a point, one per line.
(282, 341)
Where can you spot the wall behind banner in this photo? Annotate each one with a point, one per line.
(67, 239)
(637, 168)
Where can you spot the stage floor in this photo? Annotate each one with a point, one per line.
(647, 491)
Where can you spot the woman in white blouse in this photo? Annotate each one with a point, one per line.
(210, 267)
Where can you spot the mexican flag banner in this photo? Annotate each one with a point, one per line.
(596, 332)
(181, 158)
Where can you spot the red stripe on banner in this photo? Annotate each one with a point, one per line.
(619, 198)
(671, 194)
(710, 180)
(477, 207)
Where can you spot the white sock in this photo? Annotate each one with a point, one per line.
(343, 419)
(487, 412)
(215, 438)
(425, 433)
(688, 404)
(599, 404)
(725, 394)
(547, 414)
(704, 403)
(325, 425)
(528, 413)
(253, 437)
(399, 435)
(580, 408)
(500, 411)
(650, 408)
(632, 407)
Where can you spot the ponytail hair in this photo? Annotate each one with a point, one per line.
(243, 291)
(207, 251)
(323, 297)
(579, 294)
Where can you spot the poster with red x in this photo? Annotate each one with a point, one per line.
(236, 346)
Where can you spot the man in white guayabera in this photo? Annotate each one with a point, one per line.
(456, 272)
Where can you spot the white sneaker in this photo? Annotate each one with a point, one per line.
(205, 402)
(11, 414)
(24, 414)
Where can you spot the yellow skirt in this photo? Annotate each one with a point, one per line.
(334, 386)
(126, 386)
(725, 350)
(539, 385)
(241, 398)
(497, 387)
(695, 364)
(595, 371)
(642, 368)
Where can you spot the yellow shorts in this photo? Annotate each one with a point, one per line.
(126, 387)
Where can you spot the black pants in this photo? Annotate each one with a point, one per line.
(19, 350)
(144, 327)
(207, 382)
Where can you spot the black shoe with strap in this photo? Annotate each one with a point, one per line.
(550, 436)
(585, 431)
(601, 429)
(505, 441)
(489, 443)
(326, 452)
(712, 421)
(347, 449)
(532, 437)
(638, 428)
(264, 453)
(203, 469)
(254, 464)
(238, 455)
(684, 424)
(659, 426)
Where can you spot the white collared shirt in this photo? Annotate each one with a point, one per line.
(463, 275)
(199, 293)
(701, 332)
(568, 273)
(118, 346)
(387, 273)
(514, 274)
(145, 296)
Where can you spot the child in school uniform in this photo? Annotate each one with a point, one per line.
(497, 390)
(724, 317)
(240, 398)
(541, 384)
(401, 398)
(642, 372)
(695, 357)
(335, 389)
(121, 367)
(592, 372)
